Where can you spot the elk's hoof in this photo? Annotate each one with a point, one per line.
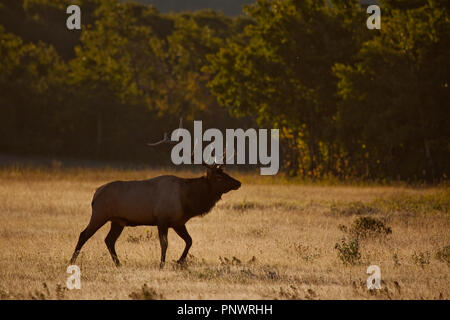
(161, 265)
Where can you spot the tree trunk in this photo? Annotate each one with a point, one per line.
(99, 135)
(312, 145)
(429, 159)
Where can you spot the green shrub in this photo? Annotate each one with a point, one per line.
(348, 253)
(365, 227)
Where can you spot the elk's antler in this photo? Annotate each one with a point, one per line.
(209, 166)
(215, 165)
(166, 138)
(224, 159)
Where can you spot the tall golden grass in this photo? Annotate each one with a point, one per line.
(268, 240)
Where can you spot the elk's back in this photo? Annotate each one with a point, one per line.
(144, 202)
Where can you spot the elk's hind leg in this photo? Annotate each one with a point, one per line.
(92, 228)
(110, 240)
(183, 233)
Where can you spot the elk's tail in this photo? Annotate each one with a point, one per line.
(97, 193)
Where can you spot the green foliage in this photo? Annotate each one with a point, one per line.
(349, 102)
(29, 74)
(394, 99)
(279, 70)
(42, 20)
(348, 251)
(229, 7)
(362, 228)
(130, 75)
(367, 227)
(369, 122)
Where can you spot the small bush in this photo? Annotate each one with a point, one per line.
(396, 260)
(348, 253)
(46, 294)
(421, 259)
(343, 228)
(140, 238)
(307, 253)
(146, 293)
(244, 206)
(443, 254)
(365, 227)
(289, 293)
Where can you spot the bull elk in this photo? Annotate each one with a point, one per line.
(165, 201)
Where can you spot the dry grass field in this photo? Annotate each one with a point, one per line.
(268, 240)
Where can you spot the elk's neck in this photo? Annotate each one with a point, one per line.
(199, 197)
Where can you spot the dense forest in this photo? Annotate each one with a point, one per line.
(228, 7)
(349, 102)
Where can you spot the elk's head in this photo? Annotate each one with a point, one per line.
(220, 181)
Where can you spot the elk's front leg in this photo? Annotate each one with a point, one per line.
(183, 233)
(162, 231)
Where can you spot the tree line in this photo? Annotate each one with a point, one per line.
(228, 7)
(349, 102)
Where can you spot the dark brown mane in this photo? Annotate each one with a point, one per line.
(200, 197)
